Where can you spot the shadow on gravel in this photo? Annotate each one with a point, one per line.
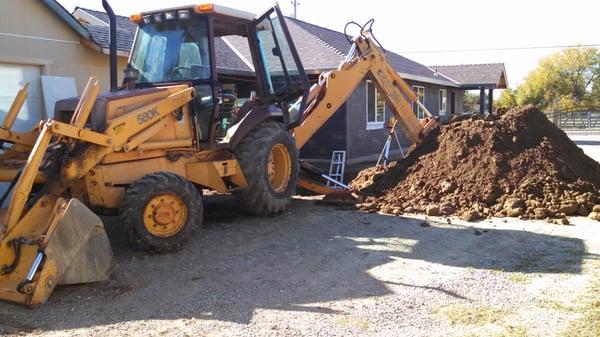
(237, 264)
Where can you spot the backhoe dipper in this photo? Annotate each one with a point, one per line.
(150, 147)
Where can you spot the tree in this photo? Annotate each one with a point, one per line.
(470, 102)
(508, 99)
(568, 78)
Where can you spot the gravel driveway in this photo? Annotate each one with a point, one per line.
(322, 271)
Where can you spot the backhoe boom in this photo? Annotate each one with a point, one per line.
(335, 87)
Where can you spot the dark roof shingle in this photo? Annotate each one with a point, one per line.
(401, 64)
(123, 22)
(101, 35)
(476, 74)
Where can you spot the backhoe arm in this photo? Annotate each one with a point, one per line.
(334, 88)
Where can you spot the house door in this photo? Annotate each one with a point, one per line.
(12, 79)
(452, 103)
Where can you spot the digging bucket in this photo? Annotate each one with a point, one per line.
(72, 248)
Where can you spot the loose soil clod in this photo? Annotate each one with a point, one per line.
(518, 165)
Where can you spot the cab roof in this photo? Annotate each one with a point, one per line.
(227, 21)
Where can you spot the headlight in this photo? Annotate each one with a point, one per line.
(183, 14)
(170, 15)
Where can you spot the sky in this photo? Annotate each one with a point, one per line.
(431, 31)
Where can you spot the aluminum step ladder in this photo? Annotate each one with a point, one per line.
(336, 169)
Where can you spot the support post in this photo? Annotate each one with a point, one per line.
(481, 100)
(490, 100)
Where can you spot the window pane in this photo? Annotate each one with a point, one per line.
(271, 57)
(420, 91)
(172, 51)
(370, 102)
(276, 54)
(443, 99)
(380, 108)
(286, 51)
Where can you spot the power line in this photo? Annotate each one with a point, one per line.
(498, 49)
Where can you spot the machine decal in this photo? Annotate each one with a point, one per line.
(147, 115)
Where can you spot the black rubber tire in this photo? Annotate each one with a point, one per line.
(135, 200)
(252, 152)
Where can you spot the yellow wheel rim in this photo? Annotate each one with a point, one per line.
(165, 215)
(279, 168)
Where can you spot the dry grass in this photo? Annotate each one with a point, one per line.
(588, 324)
(353, 322)
(509, 331)
(518, 278)
(513, 331)
(472, 315)
(559, 306)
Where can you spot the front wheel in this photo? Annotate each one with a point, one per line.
(269, 160)
(160, 211)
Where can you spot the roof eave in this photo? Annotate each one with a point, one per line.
(120, 53)
(64, 15)
(428, 80)
(476, 86)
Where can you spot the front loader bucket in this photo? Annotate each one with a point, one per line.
(79, 246)
(75, 249)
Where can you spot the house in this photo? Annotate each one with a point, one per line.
(76, 45)
(480, 77)
(41, 43)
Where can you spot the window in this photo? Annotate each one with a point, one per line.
(172, 51)
(276, 55)
(420, 91)
(443, 101)
(375, 107)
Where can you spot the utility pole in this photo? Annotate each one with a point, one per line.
(295, 3)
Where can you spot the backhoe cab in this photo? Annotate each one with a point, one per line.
(177, 46)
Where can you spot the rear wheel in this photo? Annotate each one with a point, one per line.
(269, 159)
(160, 211)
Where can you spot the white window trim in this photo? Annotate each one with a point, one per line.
(417, 92)
(372, 125)
(442, 111)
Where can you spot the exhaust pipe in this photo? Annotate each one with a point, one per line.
(112, 21)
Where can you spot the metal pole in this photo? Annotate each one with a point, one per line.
(112, 20)
(295, 4)
(481, 100)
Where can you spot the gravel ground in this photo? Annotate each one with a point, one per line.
(589, 143)
(322, 271)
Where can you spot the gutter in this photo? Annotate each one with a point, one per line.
(428, 80)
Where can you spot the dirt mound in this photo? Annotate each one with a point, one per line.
(518, 164)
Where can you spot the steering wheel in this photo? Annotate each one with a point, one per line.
(175, 73)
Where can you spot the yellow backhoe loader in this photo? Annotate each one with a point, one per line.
(149, 147)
